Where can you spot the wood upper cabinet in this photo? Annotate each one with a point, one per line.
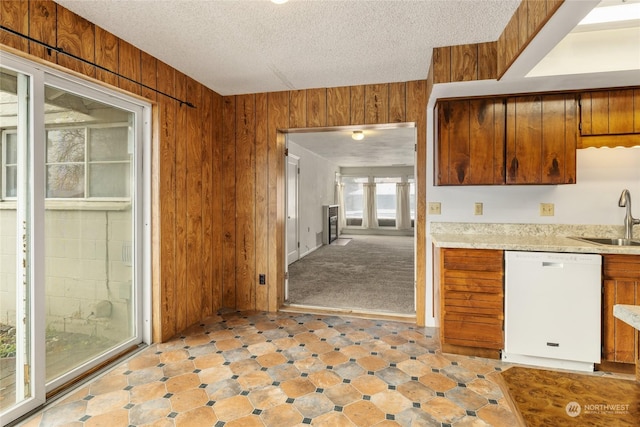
(541, 139)
(472, 301)
(514, 140)
(621, 285)
(470, 142)
(610, 112)
(610, 118)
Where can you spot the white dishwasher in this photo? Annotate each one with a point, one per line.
(552, 309)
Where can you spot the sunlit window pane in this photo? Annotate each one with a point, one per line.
(386, 197)
(65, 145)
(12, 181)
(108, 144)
(109, 180)
(353, 191)
(65, 181)
(11, 149)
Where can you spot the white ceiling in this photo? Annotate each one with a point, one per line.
(380, 147)
(252, 46)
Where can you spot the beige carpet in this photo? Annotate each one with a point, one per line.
(370, 273)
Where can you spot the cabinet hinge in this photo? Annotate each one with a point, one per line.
(286, 151)
(286, 274)
(298, 171)
(415, 147)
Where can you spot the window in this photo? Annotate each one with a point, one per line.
(386, 200)
(9, 164)
(353, 195)
(412, 198)
(88, 162)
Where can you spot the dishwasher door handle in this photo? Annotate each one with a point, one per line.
(552, 264)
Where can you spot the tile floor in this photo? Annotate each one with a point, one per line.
(260, 369)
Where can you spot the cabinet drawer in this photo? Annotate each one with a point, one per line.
(618, 266)
(461, 281)
(474, 310)
(476, 260)
(473, 334)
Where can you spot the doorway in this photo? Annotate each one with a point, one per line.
(385, 159)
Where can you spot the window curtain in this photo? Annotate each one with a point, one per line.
(403, 212)
(370, 210)
(342, 216)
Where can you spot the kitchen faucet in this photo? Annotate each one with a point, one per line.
(629, 221)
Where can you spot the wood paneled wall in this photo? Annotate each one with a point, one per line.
(463, 63)
(254, 174)
(524, 25)
(187, 216)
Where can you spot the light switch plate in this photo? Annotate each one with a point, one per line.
(546, 209)
(434, 208)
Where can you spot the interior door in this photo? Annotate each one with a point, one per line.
(293, 251)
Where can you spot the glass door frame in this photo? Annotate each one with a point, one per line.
(39, 77)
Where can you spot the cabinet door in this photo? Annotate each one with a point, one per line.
(621, 285)
(470, 142)
(610, 112)
(618, 343)
(541, 139)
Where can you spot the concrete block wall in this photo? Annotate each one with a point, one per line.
(86, 263)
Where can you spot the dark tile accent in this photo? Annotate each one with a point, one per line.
(168, 395)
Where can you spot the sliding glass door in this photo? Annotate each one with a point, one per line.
(72, 231)
(17, 338)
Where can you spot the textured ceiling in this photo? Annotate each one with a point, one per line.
(251, 46)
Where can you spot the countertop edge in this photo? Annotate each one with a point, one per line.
(526, 243)
(629, 314)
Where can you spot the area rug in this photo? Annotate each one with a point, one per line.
(550, 398)
(370, 273)
(341, 242)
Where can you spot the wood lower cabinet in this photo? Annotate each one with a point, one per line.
(472, 301)
(621, 285)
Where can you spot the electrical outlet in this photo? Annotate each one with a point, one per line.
(434, 208)
(546, 209)
(477, 208)
(262, 279)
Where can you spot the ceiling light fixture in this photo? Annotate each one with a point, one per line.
(357, 135)
(279, 1)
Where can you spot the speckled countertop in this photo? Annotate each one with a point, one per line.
(628, 313)
(528, 237)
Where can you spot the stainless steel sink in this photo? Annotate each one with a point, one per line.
(608, 242)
